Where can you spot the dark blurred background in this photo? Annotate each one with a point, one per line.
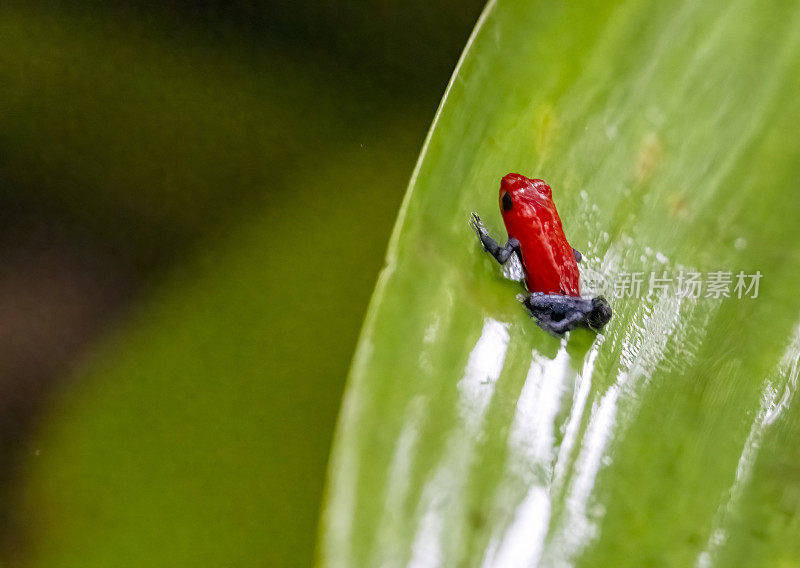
(196, 198)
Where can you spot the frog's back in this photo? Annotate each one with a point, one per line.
(550, 268)
(531, 217)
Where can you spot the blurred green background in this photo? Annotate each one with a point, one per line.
(196, 199)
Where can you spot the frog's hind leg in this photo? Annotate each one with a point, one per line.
(500, 253)
(558, 314)
(559, 327)
(600, 313)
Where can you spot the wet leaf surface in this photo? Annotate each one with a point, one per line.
(468, 437)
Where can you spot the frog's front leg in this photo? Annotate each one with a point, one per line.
(500, 253)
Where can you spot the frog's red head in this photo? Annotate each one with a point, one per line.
(523, 197)
(531, 217)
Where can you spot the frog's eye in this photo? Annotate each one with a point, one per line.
(507, 202)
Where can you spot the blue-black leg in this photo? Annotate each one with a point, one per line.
(558, 314)
(558, 327)
(500, 253)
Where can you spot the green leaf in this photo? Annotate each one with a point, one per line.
(469, 437)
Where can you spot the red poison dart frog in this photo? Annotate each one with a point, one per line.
(550, 264)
